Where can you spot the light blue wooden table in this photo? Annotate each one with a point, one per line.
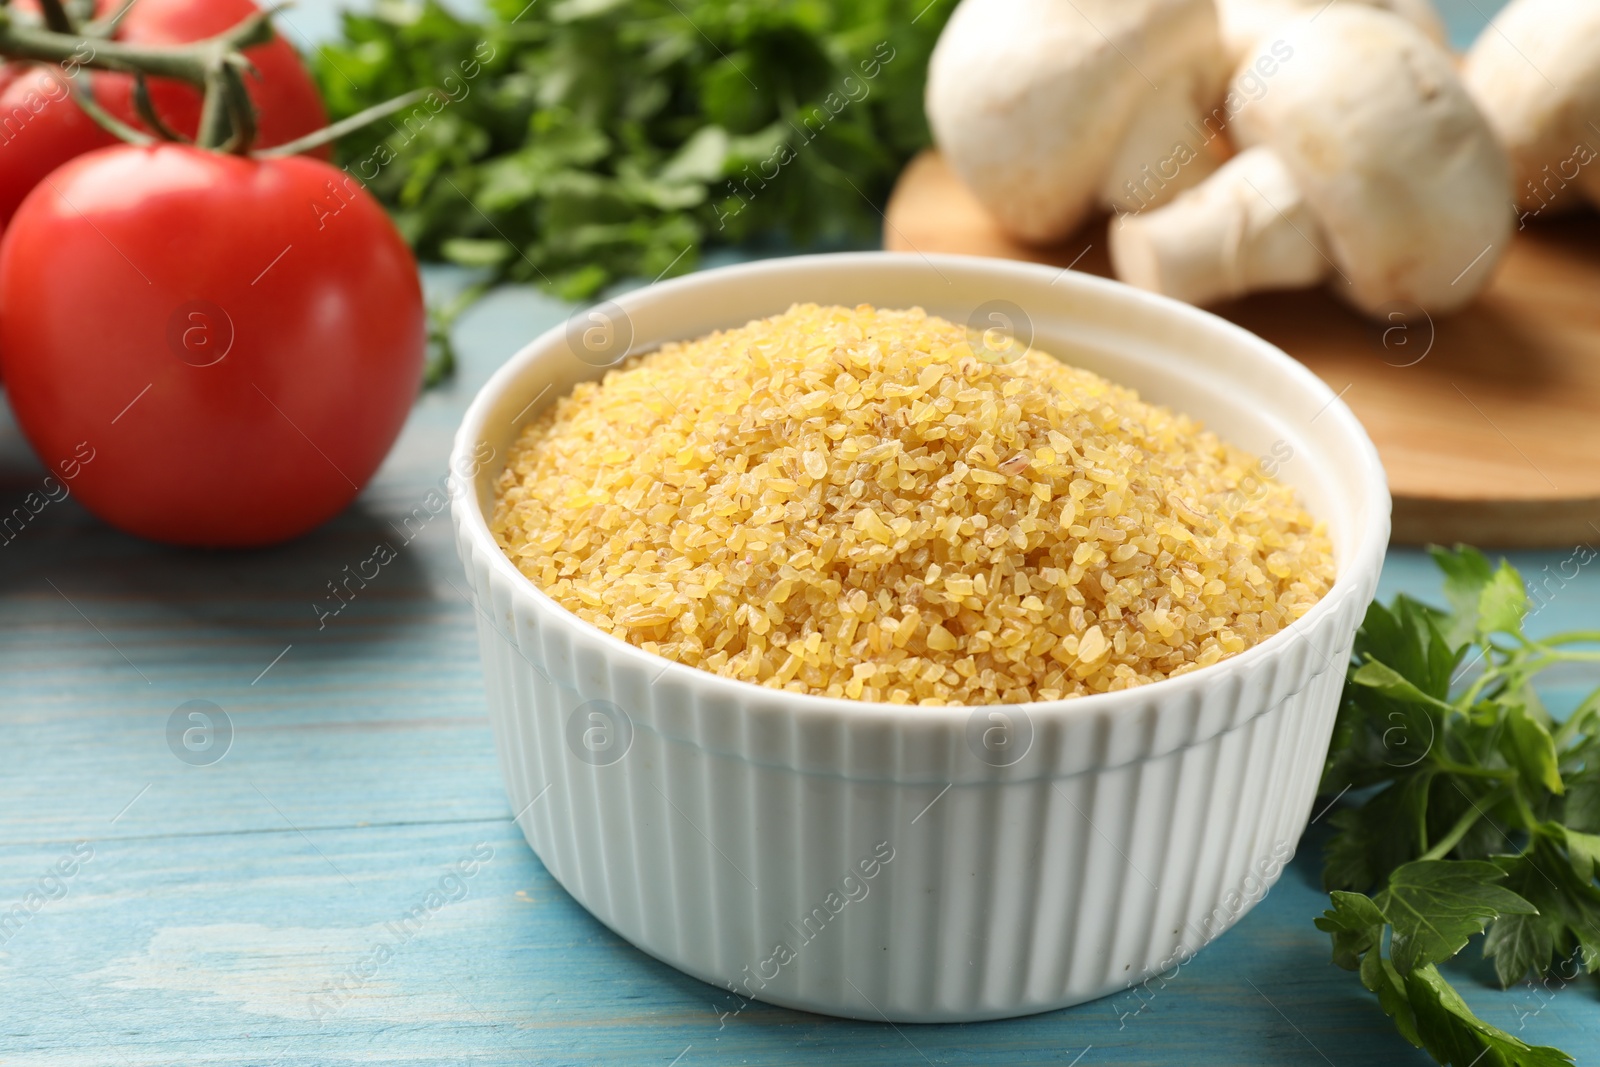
(233, 913)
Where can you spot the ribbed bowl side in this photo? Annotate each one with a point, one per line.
(906, 885)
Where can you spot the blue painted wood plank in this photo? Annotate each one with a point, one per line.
(327, 948)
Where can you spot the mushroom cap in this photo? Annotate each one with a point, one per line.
(1390, 152)
(1030, 99)
(1246, 23)
(1535, 72)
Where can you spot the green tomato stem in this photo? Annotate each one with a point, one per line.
(318, 138)
(147, 110)
(105, 120)
(215, 122)
(107, 26)
(217, 65)
(55, 17)
(186, 63)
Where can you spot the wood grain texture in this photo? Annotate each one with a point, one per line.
(222, 903)
(1488, 422)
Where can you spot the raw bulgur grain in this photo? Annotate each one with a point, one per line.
(851, 503)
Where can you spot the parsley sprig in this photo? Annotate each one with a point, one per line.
(1483, 813)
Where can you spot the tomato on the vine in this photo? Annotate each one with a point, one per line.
(239, 340)
(286, 99)
(41, 128)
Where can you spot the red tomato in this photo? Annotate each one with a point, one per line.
(238, 341)
(40, 129)
(38, 132)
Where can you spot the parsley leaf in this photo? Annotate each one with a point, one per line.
(1381, 977)
(1519, 944)
(1435, 906)
(1367, 845)
(1356, 925)
(1484, 599)
(1481, 813)
(1568, 902)
(1528, 746)
(1454, 1035)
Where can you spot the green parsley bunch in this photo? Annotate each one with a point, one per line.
(573, 143)
(1484, 813)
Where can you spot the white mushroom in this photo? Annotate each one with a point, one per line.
(1246, 24)
(1535, 71)
(1049, 109)
(1367, 165)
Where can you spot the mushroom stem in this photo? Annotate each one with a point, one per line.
(1163, 152)
(1246, 228)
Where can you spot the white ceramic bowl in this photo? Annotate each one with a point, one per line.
(912, 863)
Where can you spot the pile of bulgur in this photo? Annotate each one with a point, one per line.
(853, 503)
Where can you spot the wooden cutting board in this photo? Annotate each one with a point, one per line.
(1488, 421)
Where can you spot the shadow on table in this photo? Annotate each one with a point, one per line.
(1265, 993)
(1216, 1015)
(355, 576)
